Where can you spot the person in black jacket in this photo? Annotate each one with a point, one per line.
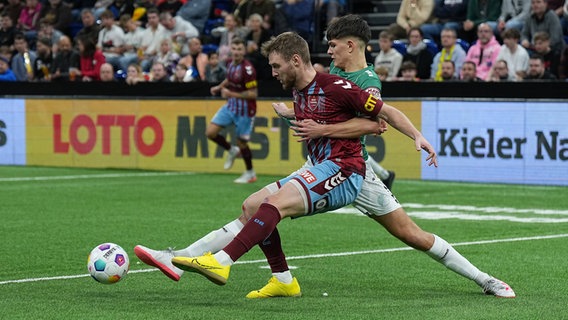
(65, 60)
(417, 52)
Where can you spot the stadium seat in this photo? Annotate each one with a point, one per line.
(211, 24)
(74, 28)
(431, 46)
(400, 46)
(464, 44)
(207, 48)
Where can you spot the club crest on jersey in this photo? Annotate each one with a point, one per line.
(315, 102)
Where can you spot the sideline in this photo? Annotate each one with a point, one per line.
(314, 256)
(96, 176)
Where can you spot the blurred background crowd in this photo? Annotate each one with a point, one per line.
(189, 40)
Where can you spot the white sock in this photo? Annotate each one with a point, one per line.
(213, 241)
(444, 253)
(381, 172)
(284, 277)
(223, 258)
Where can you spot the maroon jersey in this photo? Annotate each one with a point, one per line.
(331, 99)
(241, 77)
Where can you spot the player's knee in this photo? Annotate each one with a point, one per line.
(249, 208)
(210, 134)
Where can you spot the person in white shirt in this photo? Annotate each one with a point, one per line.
(179, 31)
(388, 57)
(152, 39)
(515, 55)
(111, 39)
(132, 41)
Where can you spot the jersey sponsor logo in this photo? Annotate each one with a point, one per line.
(308, 176)
(320, 204)
(345, 84)
(370, 103)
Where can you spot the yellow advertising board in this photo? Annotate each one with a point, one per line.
(170, 135)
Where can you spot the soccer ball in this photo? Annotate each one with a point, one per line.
(108, 263)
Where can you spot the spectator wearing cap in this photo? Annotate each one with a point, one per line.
(6, 73)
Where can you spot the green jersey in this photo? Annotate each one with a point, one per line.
(367, 80)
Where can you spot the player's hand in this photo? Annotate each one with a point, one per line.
(383, 127)
(214, 90)
(307, 129)
(423, 144)
(281, 109)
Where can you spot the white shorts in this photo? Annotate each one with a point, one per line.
(375, 199)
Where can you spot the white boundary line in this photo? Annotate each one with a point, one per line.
(314, 256)
(96, 176)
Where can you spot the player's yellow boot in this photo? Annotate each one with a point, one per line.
(206, 265)
(275, 288)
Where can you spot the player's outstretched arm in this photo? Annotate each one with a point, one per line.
(400, 122)
(247, 94)
(351, 129)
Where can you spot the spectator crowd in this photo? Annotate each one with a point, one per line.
(190, 40)
(476, 40)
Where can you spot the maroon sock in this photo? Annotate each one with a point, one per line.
(258, 228)
(272, 248)
(247, 157)
(220, 140)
